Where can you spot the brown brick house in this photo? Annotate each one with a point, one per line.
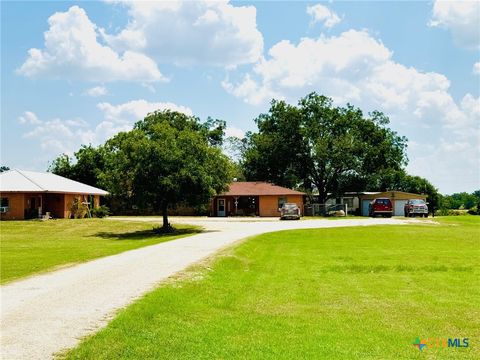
(254, 199)
(29, 194)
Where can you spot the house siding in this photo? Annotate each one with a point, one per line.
(268, 204)
(16, 204)
(58, 205)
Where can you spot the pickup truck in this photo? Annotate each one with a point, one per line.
(416, 207)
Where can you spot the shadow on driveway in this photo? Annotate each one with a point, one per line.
(147, 234)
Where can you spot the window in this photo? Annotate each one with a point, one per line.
(281, 200)
(4, 205)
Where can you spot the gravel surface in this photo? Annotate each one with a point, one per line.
(48, 313)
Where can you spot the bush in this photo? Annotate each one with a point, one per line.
(450, 212)
(100, 211)
(474, 211)
(78, 209)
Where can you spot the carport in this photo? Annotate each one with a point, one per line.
(398, 199)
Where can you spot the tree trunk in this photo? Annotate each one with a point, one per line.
(165, 215)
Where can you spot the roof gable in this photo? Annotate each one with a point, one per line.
(256, 188)
(32, 181)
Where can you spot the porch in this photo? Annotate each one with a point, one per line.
(235, 206)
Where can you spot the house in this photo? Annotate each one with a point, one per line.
(253, 198)
(29, 194)
(398, 198)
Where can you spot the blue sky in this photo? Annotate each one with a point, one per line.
(78, 72)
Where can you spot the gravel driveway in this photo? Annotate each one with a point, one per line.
(45, 314)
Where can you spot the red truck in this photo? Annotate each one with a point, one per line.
(380, 206)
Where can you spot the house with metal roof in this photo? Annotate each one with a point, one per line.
(254, 198)
(30, 194)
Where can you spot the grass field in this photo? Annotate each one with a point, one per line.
(29, 247)
(342, 293)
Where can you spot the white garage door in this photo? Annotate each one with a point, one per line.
(399, 204)
(365, 204)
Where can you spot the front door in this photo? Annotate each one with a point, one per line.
(220, 207)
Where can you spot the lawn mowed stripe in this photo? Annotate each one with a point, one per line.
(343, 293)
(29, 247)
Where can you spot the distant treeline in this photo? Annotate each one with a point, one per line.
(461, 201)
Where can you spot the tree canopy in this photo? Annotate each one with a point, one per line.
(167, 158)
(316, 145)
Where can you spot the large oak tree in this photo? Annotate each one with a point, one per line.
(167, 158)
(316, 145)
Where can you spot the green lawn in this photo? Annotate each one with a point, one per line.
(29, 247)
(344, 293)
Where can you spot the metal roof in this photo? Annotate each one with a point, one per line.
(32, 181)
(255, 188)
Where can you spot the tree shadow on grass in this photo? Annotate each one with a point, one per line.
(147, 234)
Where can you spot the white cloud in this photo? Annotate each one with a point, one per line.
(462, 18)
(338, 65)
(355, 67)
(28, 117)
(190, 32)
(476, 68)
(232, 131)
(58, 136)
(137, 109)
(323, 14)
(72, 51)
(97, 91)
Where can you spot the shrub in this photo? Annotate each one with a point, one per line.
(450, 212)
(474, 211)
(101, 211)
(78, 209)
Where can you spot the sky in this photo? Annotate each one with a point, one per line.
(76, 73)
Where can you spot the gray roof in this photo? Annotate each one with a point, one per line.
(32, 181)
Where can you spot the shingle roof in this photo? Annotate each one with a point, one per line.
(255, 188)
(32, 181)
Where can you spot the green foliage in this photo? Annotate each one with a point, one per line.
(101, 211)
(461, 201)
(401, 181)
(167, 158)
(474, 211)
(451, 212)
(4, 168)
(318, 145)
(86, 166)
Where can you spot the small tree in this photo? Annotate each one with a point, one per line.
(168, 157)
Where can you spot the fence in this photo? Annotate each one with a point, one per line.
(325, 210)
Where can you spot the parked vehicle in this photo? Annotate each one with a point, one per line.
(414, 207)
(289, 211)
(380, 206)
